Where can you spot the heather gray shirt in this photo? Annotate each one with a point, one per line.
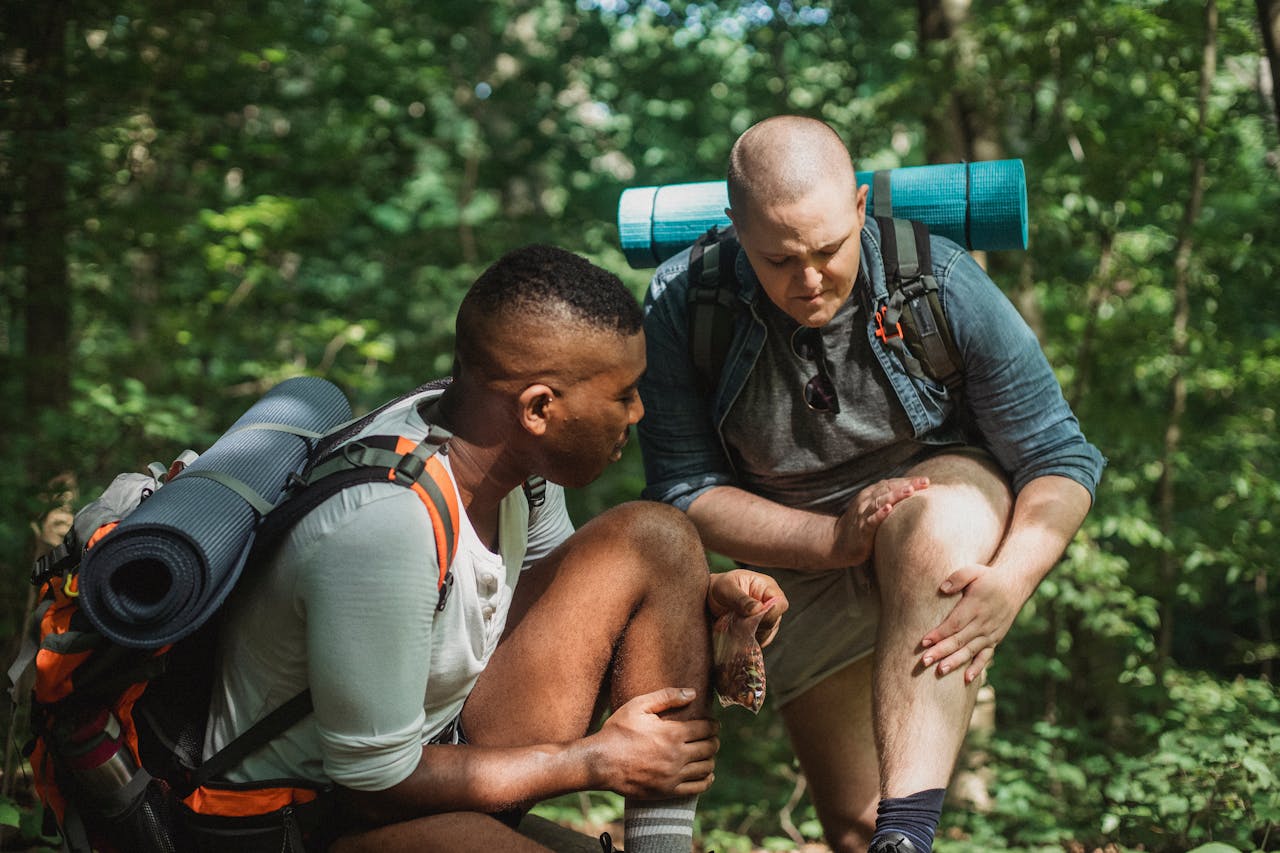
(786, 452)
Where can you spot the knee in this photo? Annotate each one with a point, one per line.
(961, 521)
(660, 538)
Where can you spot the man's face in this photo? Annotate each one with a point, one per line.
(806, 253)
(592, 418)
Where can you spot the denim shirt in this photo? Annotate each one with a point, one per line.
(1014, 402)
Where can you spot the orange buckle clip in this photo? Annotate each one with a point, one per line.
(880, 330)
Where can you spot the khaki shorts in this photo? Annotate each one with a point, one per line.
(831, 622)
(833, 615)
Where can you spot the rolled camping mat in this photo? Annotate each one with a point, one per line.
(171, 563)
(980, 205)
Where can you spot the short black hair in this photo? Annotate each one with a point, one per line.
(540, 281)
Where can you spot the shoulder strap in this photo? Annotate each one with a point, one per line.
(711, 302)
(912, 322)
(378, 458)
(254, 738)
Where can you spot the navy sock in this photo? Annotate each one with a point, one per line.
(915, 816)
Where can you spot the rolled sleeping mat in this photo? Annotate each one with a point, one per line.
(171, 563)
(980, 205)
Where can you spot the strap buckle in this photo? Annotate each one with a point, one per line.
(892, 332)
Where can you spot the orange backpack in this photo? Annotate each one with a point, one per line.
(118, 732)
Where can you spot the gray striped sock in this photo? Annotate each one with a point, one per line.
(659, 826)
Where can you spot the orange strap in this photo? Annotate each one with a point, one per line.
(441, 501)
(245, 802)
(99, 533)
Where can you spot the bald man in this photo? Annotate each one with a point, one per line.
(437, 719)
(905, 548)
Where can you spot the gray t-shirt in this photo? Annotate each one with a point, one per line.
(784, 451)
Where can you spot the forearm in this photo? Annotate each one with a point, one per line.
(760, 532)
(1046, 515)
(482, 779)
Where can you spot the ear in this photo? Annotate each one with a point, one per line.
(860, 203)
(535, 404)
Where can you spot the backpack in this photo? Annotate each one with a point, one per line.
(118, 725)
(911, 321)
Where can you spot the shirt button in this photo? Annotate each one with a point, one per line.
(488, 584)
(487, 611)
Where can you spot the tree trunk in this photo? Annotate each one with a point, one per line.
(962, 127)
(1169, 562)
(42, 153)
(1269, 21)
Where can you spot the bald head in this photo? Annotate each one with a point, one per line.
(527, 314)
(782, 159)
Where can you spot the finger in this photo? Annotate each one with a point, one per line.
(959, 579)
(979, 664)
(768, 627)
(701, 750)
(664, 699)
(957, 660)
(949, 629)
(698, 731)
(696, 786)
(696, 770)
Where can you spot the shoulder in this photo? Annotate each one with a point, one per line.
(671, 278)
(948, 256)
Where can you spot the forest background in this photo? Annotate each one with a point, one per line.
(200, 199)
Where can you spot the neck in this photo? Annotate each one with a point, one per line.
(484, 467)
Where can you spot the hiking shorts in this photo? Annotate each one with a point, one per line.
(833, 615)
(831, 623)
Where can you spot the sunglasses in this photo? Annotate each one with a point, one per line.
(819, 392)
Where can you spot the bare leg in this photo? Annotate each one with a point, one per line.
(445, 833)
(617, 610)
(621, 605)
(920, 718)
(831, 732)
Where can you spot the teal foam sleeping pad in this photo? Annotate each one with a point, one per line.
(980, 205)
(170, 564)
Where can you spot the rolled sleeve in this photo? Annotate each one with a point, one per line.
(372, 763)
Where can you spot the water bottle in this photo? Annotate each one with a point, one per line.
(99, 758)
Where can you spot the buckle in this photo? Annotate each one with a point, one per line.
(63, 556)
(410, 468)
(881, 332)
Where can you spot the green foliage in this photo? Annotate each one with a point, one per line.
(1204, 770)
(256, 191)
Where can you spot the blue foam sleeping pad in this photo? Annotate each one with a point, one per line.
(172, 562)
(980, 205)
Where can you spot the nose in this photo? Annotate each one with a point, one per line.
(636, 412)
(812, 276)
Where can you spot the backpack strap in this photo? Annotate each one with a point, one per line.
(711, 302)
(253, 738)
(911, 322)
(535, 490)
(372, 459)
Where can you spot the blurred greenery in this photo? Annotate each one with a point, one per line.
(198, 200)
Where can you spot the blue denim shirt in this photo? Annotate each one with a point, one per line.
(1014, 400)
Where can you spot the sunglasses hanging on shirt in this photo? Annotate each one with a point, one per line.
(820, 391)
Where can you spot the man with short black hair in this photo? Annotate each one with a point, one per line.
(819, 458)
(442, 714)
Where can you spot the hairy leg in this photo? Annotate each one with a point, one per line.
(619, 607)
(921, 718)
(831, 732)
